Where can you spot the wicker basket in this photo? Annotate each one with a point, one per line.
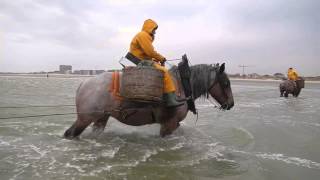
(300, 83)
(142, 83)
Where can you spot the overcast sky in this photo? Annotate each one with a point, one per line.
(267, 35)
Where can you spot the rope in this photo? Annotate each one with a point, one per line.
(213, 103)
(178, 59)
(35, 106)
(56, 114)
(171, 65)
(39, 115)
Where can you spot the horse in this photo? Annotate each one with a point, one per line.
(287, 87)
(95, 104)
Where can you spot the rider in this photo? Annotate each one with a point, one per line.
(142, 51)
(292, 74)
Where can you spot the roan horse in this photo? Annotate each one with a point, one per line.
(289, 87)
(95, 104)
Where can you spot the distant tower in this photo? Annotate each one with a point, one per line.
(243, 66)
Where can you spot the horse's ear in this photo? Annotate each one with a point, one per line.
(222, 67)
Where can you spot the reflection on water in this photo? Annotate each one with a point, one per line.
(262, 137)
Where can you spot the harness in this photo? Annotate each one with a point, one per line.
(133, 58)
(185, 74)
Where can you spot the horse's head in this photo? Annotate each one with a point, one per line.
(220, 89)
(211, 79)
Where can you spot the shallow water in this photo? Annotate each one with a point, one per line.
(262, 137)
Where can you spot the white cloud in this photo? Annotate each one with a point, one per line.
(270, 35)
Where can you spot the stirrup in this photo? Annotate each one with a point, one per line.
(184, 99)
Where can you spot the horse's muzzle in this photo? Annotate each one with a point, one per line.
(227, 106)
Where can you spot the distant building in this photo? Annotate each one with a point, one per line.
(76, 72)
(88, 72)
(279, 76)
(54, 72)
(234, 75)
(100, 71)
(254, 75)
(267, 76)
(65, 69)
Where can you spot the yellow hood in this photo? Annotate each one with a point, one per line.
(149, 25)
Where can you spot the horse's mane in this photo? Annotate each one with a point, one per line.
(201, 78)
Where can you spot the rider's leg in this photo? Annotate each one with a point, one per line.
(168, 88)
(167, 80)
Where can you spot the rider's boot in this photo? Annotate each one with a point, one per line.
(171, 100)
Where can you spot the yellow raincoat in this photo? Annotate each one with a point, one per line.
(142, 48)
(292, 74)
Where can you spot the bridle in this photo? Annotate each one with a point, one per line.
(215, 103)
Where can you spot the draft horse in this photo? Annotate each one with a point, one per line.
(95, 104)
(291, 87)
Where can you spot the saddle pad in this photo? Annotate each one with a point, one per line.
(114, 87)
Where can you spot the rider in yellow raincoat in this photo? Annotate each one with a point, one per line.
(292, 74)
(141, 49)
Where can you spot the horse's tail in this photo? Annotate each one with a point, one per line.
(282, 86)
(77, 92)
(79, 88)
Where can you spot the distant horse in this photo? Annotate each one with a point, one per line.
(93, 96)
(289, 87)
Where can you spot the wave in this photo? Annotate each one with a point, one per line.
(290, 160)
(286, 159)
(4, 143)
(78, 168)
(110, 153)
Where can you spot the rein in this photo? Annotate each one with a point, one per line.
(214, 103)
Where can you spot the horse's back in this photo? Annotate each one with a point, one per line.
(287, 85)
(93, 92)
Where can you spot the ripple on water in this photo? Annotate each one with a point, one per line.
(290, 160)
(283, 158)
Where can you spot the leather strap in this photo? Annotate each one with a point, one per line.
(133, 58)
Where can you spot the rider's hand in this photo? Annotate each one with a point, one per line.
(163, 62)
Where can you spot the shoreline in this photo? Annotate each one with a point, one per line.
(267, 80)
(25, 75)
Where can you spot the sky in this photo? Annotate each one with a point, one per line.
(267, 36)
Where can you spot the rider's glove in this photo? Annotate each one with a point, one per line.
(163, 62)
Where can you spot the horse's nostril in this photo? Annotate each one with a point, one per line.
(230, 106)
(225, 106)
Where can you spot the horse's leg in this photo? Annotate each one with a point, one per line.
(77, 127)
(100, 124)
(297, 92)
(168, 127)
(281, 91)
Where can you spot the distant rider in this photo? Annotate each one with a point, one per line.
(292, 74)
(142, 52)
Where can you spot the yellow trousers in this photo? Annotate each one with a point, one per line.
(168, 84)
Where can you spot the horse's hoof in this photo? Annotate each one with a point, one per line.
(68, 135)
